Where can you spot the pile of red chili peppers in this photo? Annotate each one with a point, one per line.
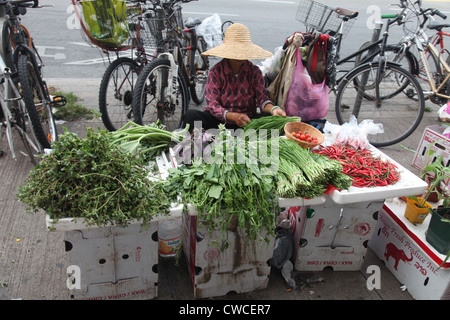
(365, 169)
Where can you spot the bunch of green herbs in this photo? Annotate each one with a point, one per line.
(93, 179)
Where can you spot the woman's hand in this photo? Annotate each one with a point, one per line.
(278, 112)
(274, 110)
(241, 119)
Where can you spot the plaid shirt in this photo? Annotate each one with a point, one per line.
(243, 93)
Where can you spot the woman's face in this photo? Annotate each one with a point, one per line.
(236, 63)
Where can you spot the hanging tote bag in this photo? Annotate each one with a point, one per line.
(306, 100)
(279, 88)
(106, 21)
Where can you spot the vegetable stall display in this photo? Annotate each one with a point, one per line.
(102, 178)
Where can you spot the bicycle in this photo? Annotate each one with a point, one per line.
(337, 22)
(373, 84)
(26, 102)
(429, 55)
(163, 87)
(118, 81)
(146, 39)
(374, 91)
(437, 40)
(439, 80)
(15, 115)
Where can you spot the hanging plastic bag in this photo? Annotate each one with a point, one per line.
(306, 100)
(106, 21)
(211, 30)
(444, 112)
(270, 67)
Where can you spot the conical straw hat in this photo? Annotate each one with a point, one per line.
(238, 45)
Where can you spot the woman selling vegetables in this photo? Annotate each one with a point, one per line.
(235, 87)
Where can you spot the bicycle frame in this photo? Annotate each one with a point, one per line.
(171, 77)
(437, 40)
(432, 49)
(192, 49)
(372, 50)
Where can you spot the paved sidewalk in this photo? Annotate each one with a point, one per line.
(32, 259)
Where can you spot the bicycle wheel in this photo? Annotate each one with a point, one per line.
(199, 71)
(37, 102)
(398, 114)
(224, 27)
(152, 98)
(393, 53)
(116, 93)
(26, 134)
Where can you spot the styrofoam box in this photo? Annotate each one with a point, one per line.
(336, 236)
(242, 267)
(432, 139)
(403, 248)
(115, 263)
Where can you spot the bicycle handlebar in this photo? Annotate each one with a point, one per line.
(24, 3)
(440, 14)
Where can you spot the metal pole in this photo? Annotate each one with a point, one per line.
(362, 86)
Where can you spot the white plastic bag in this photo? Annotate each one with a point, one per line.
(444, 112)
(270, 67)
(352, 134)
(211, 30)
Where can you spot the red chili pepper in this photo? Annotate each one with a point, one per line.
(365, 169)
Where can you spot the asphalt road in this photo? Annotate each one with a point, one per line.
(66, 54)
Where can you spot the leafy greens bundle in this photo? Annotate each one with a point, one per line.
(92, 178)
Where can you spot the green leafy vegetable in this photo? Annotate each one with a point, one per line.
(149, 140)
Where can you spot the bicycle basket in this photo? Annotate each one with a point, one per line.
(162, 21)
(321, 18)
(109, 24)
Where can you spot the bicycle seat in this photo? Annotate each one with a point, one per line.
(347, 13)
(190, 23)
(438, 26)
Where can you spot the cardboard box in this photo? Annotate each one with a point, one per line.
(403, 248)
(242, 267)
(114, 263)
(335, 236)
(432, 139)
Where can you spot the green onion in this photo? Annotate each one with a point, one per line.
(270, 123)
